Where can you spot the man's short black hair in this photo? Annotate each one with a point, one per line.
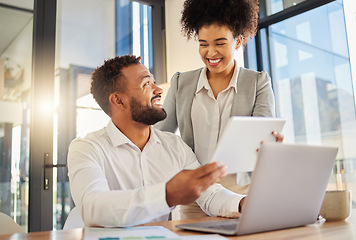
(108, 79)
(240, 16)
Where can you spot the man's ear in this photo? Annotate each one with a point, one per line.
(118, 100)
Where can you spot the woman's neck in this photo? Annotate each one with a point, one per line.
(220, 81)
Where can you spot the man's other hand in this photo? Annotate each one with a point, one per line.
(186, 186)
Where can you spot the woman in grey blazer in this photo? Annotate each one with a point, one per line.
(200, 102)
(254, 97)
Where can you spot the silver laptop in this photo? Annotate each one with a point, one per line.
(287, 189)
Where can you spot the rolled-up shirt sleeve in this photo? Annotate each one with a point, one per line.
(101, 206)
(218, 201)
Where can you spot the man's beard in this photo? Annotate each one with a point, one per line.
(146, 114)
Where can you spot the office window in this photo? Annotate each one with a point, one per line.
(310, 62)
(275, 6)
(139, 27)
(140, 32)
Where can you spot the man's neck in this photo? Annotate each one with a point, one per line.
(138, 133)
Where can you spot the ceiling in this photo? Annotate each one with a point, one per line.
(14, 15)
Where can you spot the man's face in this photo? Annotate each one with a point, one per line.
(144, 94)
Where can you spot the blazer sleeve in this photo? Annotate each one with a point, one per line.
(264, 103)
(170, 124)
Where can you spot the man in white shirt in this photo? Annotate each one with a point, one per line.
(129, 173)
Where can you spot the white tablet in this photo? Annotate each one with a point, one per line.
(242, 136)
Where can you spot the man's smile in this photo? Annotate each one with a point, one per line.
(156, 101)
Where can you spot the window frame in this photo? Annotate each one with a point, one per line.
(258, 48)
(158, 36)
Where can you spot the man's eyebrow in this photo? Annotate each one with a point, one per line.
(147, 76)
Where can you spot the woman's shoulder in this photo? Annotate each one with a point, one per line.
(189, 74)
(195, 71)
(249, 73)
(246, 70)
(187, 77)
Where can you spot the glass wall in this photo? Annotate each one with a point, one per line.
(16, 20)
(312, 80)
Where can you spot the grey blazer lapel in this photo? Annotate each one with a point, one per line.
(187, 86)
(246, 93)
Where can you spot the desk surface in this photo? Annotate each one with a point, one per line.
(319, 230)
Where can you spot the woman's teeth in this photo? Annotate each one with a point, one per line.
(214, 61)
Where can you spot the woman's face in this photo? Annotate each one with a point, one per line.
(217, 47)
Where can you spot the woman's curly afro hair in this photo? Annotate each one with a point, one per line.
(240, 16)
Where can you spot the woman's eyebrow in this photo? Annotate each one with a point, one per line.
(219, 39)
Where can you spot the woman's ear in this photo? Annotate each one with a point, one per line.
(239, 41)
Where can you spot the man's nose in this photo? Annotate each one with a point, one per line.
(157, 90)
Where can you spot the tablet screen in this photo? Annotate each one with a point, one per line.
(242, 136)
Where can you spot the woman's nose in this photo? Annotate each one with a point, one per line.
(211, 51)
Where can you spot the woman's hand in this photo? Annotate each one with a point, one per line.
(279, 136)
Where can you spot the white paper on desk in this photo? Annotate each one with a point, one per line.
(202, 237)
(146, 232)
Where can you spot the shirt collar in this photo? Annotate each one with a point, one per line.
(204, 83)
(118, 138)
(154, 138)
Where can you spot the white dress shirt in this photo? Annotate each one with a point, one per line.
(114, 183)
(210, 115)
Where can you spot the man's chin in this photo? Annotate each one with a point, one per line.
(152, 118)
(162, 116)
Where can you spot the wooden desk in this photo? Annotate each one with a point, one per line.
(320, 230)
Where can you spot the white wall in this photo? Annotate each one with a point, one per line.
(182, 55)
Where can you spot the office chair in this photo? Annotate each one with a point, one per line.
(74, 220)
(8, 225)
